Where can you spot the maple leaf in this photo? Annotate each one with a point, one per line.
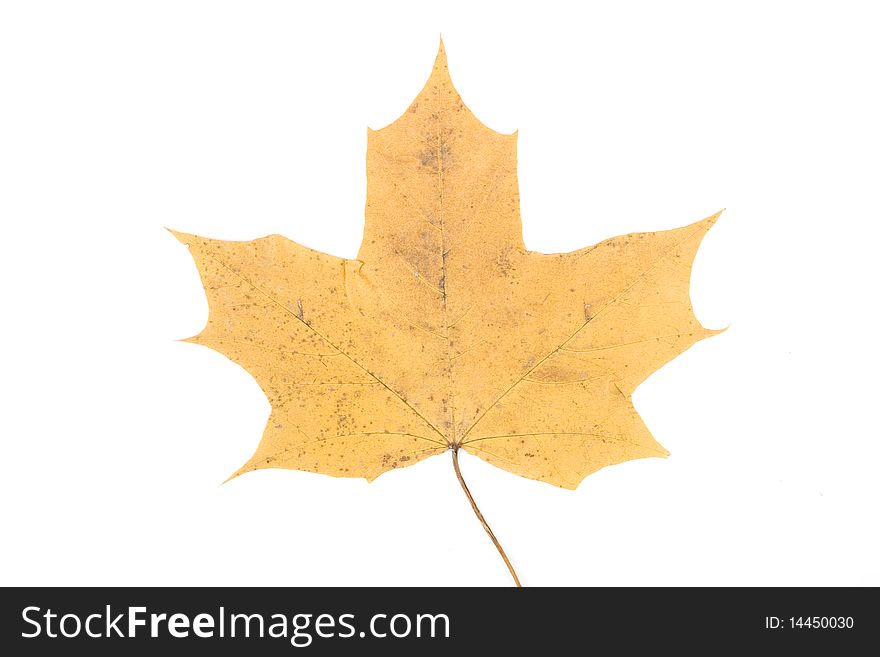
(445, 332)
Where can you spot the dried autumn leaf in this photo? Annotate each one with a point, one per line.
(445, 332)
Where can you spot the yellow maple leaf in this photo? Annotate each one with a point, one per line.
(446, 333)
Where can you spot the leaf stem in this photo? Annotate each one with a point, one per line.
(480, 516)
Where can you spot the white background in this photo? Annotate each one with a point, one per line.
(236, 120)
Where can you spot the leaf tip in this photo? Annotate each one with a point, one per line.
(440, 72)
(710, 220)
(710, 332)
(181, 237)
(247, 467)
(440, 60)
